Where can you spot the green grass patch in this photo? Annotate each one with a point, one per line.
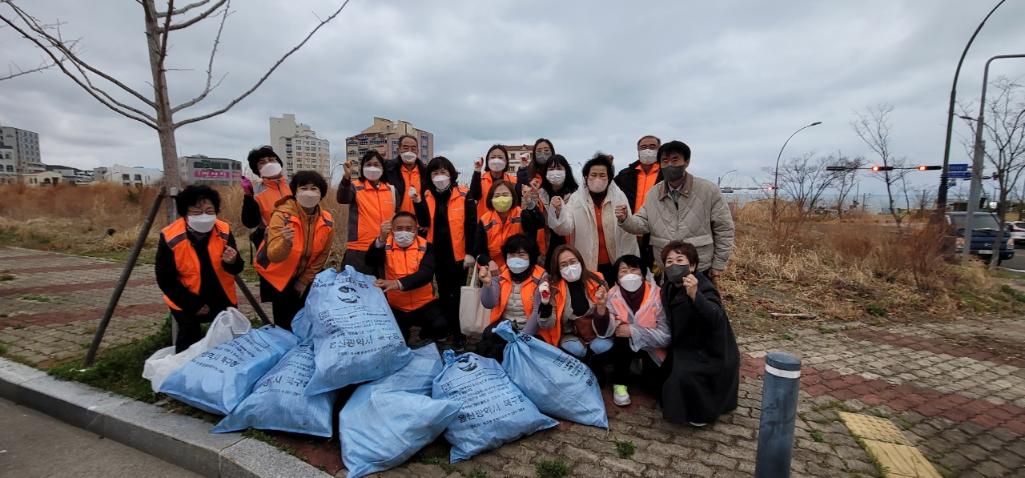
(440, 461)
(477, 473)
(875, 310)
(119, 369)
(3, 349)
(551, 468)
(625, 449)
(37, 298)
(817, 436)
(1013, 293)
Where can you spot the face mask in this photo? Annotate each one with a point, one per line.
(597, 185)
(308, 199)
(502, 204)
(556, 177)
(571, 272)
(673, 173)
(496, 164)
(372, 173)
(675, 273)
(647, 156)
(517, 264)
(404, 238)
(408, 157)
(441, 182)
(631, 282)
(270, 170)
(542, 158)
(202, 223)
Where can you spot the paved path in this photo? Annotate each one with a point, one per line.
(956, 388)
(34, 444)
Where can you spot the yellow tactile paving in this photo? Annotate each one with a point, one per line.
(884, 441)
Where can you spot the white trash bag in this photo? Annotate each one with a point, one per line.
(226, 326)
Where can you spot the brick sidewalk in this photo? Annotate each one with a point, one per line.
(956, 388)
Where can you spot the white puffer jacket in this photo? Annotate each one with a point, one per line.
(577, 219)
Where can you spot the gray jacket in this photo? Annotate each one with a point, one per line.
(701, 218)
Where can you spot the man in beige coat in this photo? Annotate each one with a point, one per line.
(684, 207)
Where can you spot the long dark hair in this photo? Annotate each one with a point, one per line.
(556, 275)
(441, 163)
(533, 168)
(569, 186)
(505, 154)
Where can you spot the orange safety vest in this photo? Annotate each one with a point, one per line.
(278, 274)
(645, 181)
(561, 298)
(527, 292)
(412, 178)
(646, 316)
(276, 189)
(187, 262)
(485, 187)
(372, 207)
(399, 263)
(456, 218)
(498, 231)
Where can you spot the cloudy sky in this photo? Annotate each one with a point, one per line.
(731, 78)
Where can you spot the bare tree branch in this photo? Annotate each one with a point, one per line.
(14, 71)
(209, 66)
(873, 127)
(187, 23)
(182, 9)
(267, 74)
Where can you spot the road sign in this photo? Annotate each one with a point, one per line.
(960, 175)
(951, 183)
(957, 167)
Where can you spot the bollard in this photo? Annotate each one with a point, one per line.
(779, 409)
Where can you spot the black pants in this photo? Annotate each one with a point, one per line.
(647, 252)
(609, 272)
(430, 318)
(189, 331)
(286, 303)
(450, 277)
(491, 345)
(620, 356)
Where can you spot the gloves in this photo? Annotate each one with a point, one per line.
(247, 186)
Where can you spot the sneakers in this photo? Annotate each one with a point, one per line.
(620, 396)
(696, 424)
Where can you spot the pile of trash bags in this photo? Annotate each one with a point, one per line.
(402, 400)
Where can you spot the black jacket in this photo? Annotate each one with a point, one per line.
(703, 357)
(627, 182)
(210, 292)
(423, 276)
(442, 235)
(531, 220)
(393, 175)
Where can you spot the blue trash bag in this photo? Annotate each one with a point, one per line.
(278, 401)
(388, 420)
(355, 336)
(558, 383)
(220, 378)
(301, 326)
(493, 411)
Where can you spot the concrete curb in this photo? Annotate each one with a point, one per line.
(181, 440)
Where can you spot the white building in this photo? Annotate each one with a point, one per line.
(137, 176)
(71, 175)
(8, 163)
(44, 178)
(24, 147)
(200, 169)
(299, 147)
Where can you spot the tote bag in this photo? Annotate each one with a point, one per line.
(473, 317)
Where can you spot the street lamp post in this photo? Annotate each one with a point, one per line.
(775, 178)
(941, 195)
(976, 184)
(718, 182)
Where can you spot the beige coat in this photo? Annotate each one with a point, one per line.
(703, 219)
(577, 219)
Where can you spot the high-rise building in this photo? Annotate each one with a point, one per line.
(7, 164)
(383, 135)
(299, 147)
(23, 146)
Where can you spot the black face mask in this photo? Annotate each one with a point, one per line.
(675, 273)
(673, 173)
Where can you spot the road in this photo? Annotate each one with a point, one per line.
(1017, 263)
(34, 444)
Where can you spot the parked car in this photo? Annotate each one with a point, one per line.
(1018, 232)
(985, 230)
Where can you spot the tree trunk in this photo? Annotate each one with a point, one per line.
(889, 195)
(165, 120)
(994, 260)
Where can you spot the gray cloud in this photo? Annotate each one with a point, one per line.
(733, 78)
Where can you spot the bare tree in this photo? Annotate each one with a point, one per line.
(153, 109)
(873, 127)
(805, 180)
(924, 199)
(844, 181)
(1004, 131)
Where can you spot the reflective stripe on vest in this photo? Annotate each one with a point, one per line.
(187, 261)
(274, 192)
(399, 263)
(646, 316)
(278, 274)
(498, 232)
(456, 219)
(372, 207)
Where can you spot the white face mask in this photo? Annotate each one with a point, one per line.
(404, 238)
(202, 223)
(408, 157)
(308, 199)
(270, 169)
(647, 156)
(571, 272)
(442, 182)
(597, 185)
(631, 282)
(372, 173)
(556, 177)
(496, 164)
(517, 264)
